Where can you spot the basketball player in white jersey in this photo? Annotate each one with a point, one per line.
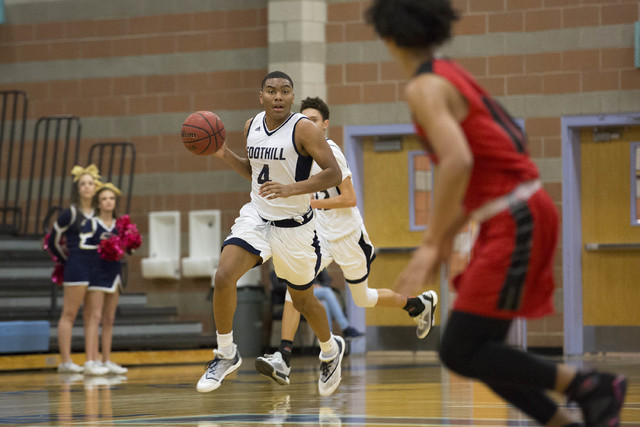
(277, 223)
(343, 239)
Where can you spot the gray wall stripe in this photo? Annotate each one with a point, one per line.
(31, 11)
(478, 45)
(124, 66)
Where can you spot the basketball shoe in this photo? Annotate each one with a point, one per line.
(274, 367)
(600, 397)
(217, 369)
(331, 370)
(426, 319)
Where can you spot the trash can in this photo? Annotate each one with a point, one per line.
(247, 323)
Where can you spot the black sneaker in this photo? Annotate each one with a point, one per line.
(273, 367)
(426, 319)
(351, 333)
(600, 397)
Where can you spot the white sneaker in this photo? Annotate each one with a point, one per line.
(426, 319)
(331, 370)
(70, 368)
(94, 367)
(274, 367)
(216, 369)
(114, 368)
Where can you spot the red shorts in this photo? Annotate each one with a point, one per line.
(511, 269)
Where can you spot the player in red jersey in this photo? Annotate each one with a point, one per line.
(484, 173)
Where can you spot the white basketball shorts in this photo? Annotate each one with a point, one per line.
(292, 243)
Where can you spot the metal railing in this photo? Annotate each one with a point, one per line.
(56, 143)
(13, 123)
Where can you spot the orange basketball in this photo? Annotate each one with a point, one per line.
(203, 133)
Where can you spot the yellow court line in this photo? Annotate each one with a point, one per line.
(127, 358)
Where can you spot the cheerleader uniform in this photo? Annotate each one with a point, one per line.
(67, 227)
(105, 275)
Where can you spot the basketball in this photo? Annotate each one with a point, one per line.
(203, 133)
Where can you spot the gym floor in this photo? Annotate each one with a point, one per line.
(377, 389)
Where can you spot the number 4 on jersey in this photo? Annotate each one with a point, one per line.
(264, 175)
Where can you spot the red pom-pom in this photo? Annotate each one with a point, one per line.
(45, 246)
(111, 249)
(123, 222)
(57, 276)
(45, 242)
(131, 238)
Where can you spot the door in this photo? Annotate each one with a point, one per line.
(610, 258)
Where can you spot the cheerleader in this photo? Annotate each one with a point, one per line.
(107, 238)
(62, 243)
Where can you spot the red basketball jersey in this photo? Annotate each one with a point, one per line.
(498, 145)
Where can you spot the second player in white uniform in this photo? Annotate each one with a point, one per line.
(278, 223)
(343, 239)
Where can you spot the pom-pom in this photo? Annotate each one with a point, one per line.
(57, 276)
(63, 244)
(129, 235)
(127, 239)
(45, 242)
(131, 238)
(123, 222)
(111, 249)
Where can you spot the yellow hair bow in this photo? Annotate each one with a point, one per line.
(108, 186)
(78, 171)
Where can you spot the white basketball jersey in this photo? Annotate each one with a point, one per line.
(274, 157)
(336, 223)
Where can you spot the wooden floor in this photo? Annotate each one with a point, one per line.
(379, 389)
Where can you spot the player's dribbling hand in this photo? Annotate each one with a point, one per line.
(220, 152)
(420, 270)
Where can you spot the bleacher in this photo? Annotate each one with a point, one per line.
(35, 186)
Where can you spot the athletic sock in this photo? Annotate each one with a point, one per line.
(285, 350)
(414, 306)
(328, 349)
(225, 344)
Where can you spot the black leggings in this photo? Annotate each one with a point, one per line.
(474, 346)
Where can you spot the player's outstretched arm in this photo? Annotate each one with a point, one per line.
(237, 163)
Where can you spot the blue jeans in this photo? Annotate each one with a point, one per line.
(331, 304)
